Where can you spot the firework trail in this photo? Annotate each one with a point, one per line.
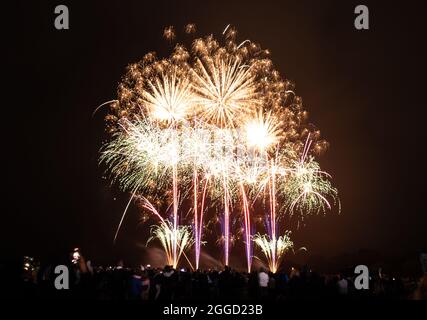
(198, 215)
(247, 229)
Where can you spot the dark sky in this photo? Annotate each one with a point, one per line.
(365, 91)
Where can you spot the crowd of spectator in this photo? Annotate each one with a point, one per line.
(146, 283)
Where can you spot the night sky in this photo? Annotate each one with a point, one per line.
(365, 91)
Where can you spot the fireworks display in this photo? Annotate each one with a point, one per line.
(274, 248)
(167, 236)
(215, 125)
